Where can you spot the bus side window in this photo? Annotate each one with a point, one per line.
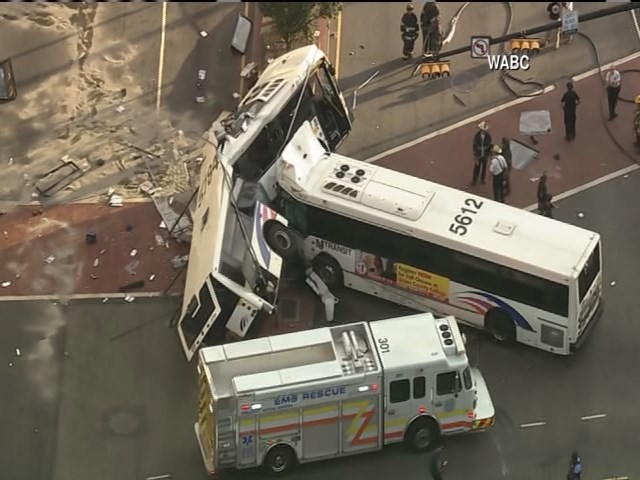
(448, 383)
(419, 387)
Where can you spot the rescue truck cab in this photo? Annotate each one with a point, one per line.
(337, 391)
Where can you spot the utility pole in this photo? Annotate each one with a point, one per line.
(547, 27)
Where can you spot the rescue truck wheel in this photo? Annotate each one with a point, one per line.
(282, 240)
(422, 435)
(329, 270)
(279, 459)
(501, 326)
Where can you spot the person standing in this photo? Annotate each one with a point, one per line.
(432, 35)
(498, 169)
(570, 101)
(545, 207)
(481, 150)
(409, 29)
(508, 156)
(575, 467)
(613, 80)
(437, 464)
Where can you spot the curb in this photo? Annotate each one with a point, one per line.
(87, 296)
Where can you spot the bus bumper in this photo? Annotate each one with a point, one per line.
(574, 347)
(485, 411)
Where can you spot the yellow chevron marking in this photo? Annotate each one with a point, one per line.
(362, 406)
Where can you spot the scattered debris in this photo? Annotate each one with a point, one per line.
(133, 253)
(533, 139)
(556, 156)
(202, 74)
(102, 251)
(129, 299)
(10, 364)
(236, 96)
(625, 176)
(10, 161)
(6, 234)
(111, 191)
(179, 261)
(580, 215)
(35, 195)
(123, 92)
(18, 353)
(162, 225)
(131, 267)
(66, 354)
(159, 240)
(93, 276)
(131, 286)
(50, 259)
(105, 299)
(128, 227)
(613, 283)
(148, 188)
(203, 34)
(181, 231)
(6, 284)
(91, 237)
(534, 179)
(115, 200)
(100, 162)
(120, 109)
(351, 53)
(248, 69)
(151, 277)
(59, 177)
(200, 99)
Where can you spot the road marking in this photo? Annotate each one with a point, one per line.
(338, 43)
(243, 60)
(586, 186)
(533, 424)
(496, 109)
(85, 296)
(593, 417)
(616, 478)
(635, 22)
(459, 124)
(163, 35)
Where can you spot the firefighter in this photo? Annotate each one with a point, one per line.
(409, 29)
(429, 12)
(432, 35)
(636, 122)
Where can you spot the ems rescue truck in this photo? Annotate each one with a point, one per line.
(337, 391)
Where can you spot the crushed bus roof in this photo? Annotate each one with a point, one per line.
(427, 210)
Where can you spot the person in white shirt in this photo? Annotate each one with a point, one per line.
(498, 168)
(613, 79)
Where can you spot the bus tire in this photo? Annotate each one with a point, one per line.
(329, 270)
(279, 460)
(423, 434)
(281, 239)
(501, 326)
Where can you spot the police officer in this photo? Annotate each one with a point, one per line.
(570, 101)
(409, 29)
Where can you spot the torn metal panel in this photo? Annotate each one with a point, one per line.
(182, 231)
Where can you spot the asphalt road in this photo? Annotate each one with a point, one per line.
(121, 402)
(412, 107)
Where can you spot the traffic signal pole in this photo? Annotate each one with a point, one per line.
(546, 28)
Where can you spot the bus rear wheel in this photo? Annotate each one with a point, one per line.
(501, 326)
(281, 239)
(329, 271)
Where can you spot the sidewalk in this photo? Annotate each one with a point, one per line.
(47, 254)
(446, 158)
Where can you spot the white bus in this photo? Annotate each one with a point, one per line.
(521, 276)
(233, 276)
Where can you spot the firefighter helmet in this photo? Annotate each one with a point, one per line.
(410, 7)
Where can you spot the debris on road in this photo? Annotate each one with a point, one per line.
(151, 277)
(6, 284)
(105, 299)
(133, 253)
(202, 74)
(159, 240)
(91, 236)
(115, 200)
(131, 267)
(181, 231)
(50, 259)
(120, 109)
(613, 283)
(148, 188)
(179, 261)
(203, 34)
(18, 353)
(580, 215)
(96, 261)
(129, 299)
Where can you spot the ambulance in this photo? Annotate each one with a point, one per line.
(278, 401)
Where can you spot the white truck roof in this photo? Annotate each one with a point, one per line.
(420, 339)
(290, 360)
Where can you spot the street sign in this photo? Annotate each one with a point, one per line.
(569, 22)
(480, 47)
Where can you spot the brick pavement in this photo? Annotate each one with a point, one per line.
(26, 240)
(447, 158)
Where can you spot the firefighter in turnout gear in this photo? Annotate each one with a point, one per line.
(409, 28)
(636, 123)
(432, 35)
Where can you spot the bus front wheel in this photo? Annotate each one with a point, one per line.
(501, 326)
(422, 435)
(281, 239)
(329, 271)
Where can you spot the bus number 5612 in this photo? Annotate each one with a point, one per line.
(461, 222)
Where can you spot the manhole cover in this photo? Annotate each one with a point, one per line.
(124, 423)
(463, 82)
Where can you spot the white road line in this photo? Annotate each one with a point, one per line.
(163, 35)
(635, 22)
(533, 424)
(586, 186)
(84, 296)
(496, 109)
(593, 417)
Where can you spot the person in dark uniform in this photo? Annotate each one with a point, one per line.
(409, 29)
(545, 205)
(429, 12)
(508, 156)
(481, 150)
(437, 464)
(570, 101)
(432, 36)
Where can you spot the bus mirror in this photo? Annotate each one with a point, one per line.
(8, 89)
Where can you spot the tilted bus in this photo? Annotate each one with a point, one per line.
(521, 276)
(233, 275)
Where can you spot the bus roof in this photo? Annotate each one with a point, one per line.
(427, 210)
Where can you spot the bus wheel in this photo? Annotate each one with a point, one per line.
(328, 269)
(422, 434)
(282, 240)
(501, 326)
(279, 460)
